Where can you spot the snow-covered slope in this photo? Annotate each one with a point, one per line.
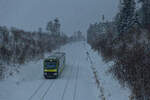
(112, 90)
(75, 83)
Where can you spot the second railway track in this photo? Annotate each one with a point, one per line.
(42, 85)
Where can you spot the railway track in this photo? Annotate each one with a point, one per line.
(39, 89)
(41, 86)
(45, 93)
(48, 84)
(76, 83)
(66, 85)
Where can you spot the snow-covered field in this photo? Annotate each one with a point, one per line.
(76, 82)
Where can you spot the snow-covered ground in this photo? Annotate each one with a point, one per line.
(112, 90)
(75, 83)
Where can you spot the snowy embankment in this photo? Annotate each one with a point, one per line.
(75, 83)
(111, 89)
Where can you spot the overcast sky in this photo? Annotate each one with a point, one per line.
(73, 14)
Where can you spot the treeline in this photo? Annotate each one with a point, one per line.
(77, 36)
(126, 42)
(18, 46)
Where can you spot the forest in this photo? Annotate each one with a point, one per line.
(125, 41)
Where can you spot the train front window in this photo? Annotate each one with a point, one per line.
(50, 64)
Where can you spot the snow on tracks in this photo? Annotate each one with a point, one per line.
(42, 90)
(75, 83)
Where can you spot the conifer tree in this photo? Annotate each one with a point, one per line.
(146, 13)
(125, 18)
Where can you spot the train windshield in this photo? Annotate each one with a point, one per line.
(50, 64)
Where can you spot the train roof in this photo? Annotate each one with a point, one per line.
(56, 55)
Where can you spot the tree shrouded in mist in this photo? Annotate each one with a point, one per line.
(53, 27)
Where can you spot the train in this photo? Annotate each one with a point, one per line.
(54, 65)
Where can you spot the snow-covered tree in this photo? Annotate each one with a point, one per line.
(53, 27)
(49, 27)
(57, 27)
(145, 13)
(40, 30)
(125, 18)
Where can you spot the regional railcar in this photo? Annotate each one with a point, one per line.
(54, 65)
